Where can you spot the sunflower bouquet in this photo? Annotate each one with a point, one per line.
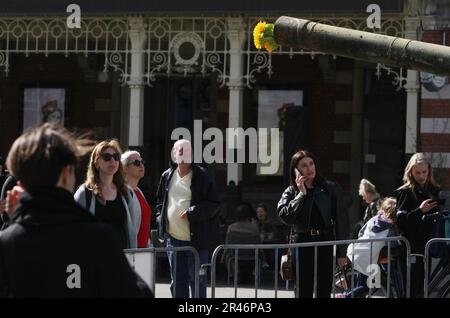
(263, 36)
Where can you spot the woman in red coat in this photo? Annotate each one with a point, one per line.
(134, 170)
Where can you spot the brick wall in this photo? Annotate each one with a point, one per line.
(435, 120)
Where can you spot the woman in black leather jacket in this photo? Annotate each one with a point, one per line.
(415, 198)
(313, 205)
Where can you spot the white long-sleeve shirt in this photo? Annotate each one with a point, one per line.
(179, 200)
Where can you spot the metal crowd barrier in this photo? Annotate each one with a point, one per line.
(143, 261)
(427, 261)
(277, 247)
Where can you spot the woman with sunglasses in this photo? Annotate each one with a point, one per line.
(106, 195)
(134, 169)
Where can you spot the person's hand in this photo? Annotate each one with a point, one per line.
(428, 205)
(183, 215)
(12, 199)
(300, 181)
(342, 261)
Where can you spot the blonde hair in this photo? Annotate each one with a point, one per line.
(93, 174)
(388, 209)
(408, 178)
(368, 187)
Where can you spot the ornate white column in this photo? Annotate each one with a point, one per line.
(412, 89)
(236, 37)
(136, 83)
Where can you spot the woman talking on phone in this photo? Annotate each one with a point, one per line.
(313, 206)
(415, 198)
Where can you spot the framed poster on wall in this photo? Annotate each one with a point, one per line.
(41, 105)
(272, 105)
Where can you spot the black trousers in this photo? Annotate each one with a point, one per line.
(306, 267)
(417, 273)
(417, 276)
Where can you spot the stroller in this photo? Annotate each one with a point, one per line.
(346, 277)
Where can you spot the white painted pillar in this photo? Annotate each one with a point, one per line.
(412, 89)
(136, 82)
(236, 37)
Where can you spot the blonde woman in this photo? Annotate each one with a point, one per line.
(77, 264)
(415, 198)
(106, 195)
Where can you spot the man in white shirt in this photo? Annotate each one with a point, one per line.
(187, 215)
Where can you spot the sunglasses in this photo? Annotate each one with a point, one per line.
(109, 156)
(136, 162)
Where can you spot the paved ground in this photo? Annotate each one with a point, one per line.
(244, 291)
(163, 291)
(224, 290)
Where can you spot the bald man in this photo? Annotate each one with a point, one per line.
(187, 215)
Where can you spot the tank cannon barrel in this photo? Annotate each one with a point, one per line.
(360, 45)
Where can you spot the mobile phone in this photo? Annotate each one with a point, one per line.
(297, 173)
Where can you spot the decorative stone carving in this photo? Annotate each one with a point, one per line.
(186, 48)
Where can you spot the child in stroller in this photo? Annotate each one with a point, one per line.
(380, 226)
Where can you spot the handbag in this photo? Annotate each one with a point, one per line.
(287, 270)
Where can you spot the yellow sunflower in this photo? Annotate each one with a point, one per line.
(263, 36)
(258, 32)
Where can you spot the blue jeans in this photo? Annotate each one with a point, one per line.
(185, 270)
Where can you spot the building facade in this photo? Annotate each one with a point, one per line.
(136, 70)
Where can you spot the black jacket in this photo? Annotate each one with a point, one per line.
(295, 208)
(409, 216)
(8, 185)
(371, 211)
(49, 233)
(203, 214)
